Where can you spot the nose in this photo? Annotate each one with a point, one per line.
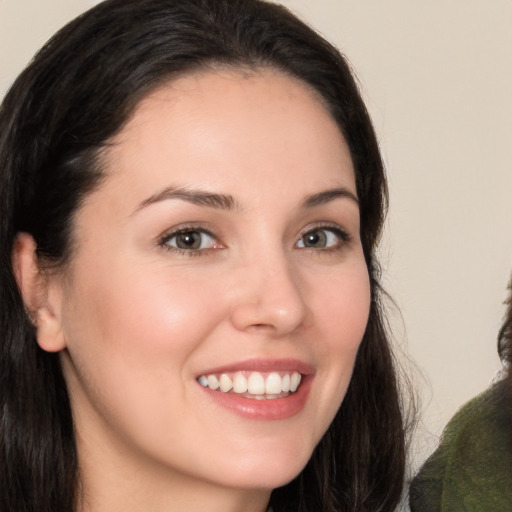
(271, 298)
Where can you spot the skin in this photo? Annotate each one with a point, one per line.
(137, 320)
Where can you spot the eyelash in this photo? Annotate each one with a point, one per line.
(344, 239)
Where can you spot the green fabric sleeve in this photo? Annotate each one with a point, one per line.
(471, 471)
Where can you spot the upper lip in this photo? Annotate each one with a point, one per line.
(264, 365)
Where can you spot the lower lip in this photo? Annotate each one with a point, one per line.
(265, 409)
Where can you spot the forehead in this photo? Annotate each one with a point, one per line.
(221, 127)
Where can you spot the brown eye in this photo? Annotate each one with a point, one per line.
(322, 238)
(190, 240)
(316, 238)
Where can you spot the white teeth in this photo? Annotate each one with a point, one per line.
(273, 384)
(213, 382)
(239, 383)
(257, 385)
(295, 381)
(285, 383)
(225, 383)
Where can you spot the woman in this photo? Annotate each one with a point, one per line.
(192, 194)
(472, 467)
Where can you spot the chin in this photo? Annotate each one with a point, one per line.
(267, 472)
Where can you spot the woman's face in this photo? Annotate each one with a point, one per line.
(222, 251)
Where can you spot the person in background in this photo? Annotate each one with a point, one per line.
(471, 470)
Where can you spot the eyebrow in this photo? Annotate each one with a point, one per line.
(329, 195)
(227, 202)
(198, 197)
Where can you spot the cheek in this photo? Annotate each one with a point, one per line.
(143, 312)
(342, 307)
(131, 337)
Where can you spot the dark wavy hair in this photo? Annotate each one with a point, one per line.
(76, 94)
(505, 334)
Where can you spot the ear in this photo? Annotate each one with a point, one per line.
(41, 294)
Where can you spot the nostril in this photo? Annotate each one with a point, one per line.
(262, 327)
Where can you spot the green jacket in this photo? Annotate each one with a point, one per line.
(471, 470)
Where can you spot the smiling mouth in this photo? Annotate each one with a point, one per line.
(255, 385)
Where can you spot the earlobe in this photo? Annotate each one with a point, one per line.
(49, 331)
(41, 305)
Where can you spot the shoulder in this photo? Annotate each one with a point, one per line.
(472, 467)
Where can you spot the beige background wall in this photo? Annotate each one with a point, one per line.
(438, 82)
